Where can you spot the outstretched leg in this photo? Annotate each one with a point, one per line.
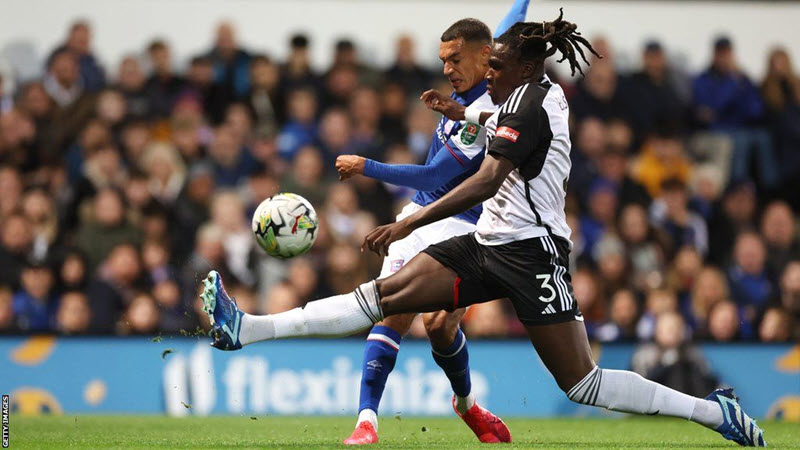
(564, 349)
(422, 285)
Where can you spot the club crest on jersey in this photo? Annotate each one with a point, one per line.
(507, 133)
(470, 133)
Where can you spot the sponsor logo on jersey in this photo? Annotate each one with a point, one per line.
(470, 133)
(507, 133)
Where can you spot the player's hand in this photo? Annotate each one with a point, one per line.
(349, 166)
(442, 103)
(379, 239)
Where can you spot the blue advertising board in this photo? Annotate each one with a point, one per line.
(184, 376)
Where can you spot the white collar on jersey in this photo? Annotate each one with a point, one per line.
(545, 79)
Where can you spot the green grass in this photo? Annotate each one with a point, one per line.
(320, 432)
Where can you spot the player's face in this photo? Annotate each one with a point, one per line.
(505, 73)
(464, 63)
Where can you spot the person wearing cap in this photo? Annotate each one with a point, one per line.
(651, 92)
(727, 102)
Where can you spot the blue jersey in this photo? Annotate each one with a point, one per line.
(464, 143)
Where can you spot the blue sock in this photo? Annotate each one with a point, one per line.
(380, 354)
(454, 360)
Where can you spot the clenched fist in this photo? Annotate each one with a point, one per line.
(349, 166)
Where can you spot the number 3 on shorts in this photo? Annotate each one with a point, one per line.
(545, 277)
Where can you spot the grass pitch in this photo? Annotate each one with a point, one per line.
(328, 432)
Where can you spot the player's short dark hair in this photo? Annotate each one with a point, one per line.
(471, 30)
(531, 40)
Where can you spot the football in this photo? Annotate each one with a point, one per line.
(285, 225)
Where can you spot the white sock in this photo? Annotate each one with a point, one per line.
(621, 390)
(463, 404)
(368, 415)
(337, 316)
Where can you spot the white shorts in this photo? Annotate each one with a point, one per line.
(402, 251)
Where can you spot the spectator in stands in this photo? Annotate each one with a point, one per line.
(734, 214)
(230, 159)
(644, 247)
(394, 105)
(612, 166)
(141, 317)
(42, 216)
(200, 84)
(163, 86)
(227, 212)
(345, 53)
(231, 63)
(307, 175)
(710, 287)
(657, 302)
(600, 217)
(776, 326)
(346, 270)
(73, 316)
(788, 297)
(680, 278)
(62, 81)
(365, 109)
(264, 98)
(650, 94)
(297, 72)
(79, 43)
(11, 187)
(612, 263)
(723, 322)
(750, 284)
(673, 360)
(661, 158)
(16, 242)
(164, 166)
(301, 127)
(303, 277)
(73, 274)
(781, 92)
(35, 303)
(598, 95)
(623, 315)
(778, 227)
(8, 323)
(671, 214)
(106, 228)
(727, 102)
(336, 135)
(131, 82)
(114, 286)
(405, 70)
(587, 293)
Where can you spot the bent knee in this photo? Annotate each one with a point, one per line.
(440, 330)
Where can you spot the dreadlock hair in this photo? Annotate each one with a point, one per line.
(531, 39)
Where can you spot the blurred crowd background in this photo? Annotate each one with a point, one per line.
(120, 187)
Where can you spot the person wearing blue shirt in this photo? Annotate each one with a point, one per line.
(455, 153)
(727, 102)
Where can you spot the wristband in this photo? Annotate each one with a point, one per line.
(473, 114)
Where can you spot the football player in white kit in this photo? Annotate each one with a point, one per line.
(520, 249)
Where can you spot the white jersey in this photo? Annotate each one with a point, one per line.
(531, 129)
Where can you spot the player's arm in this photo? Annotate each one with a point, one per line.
(474, 190)
(508, 150)
(445, 166)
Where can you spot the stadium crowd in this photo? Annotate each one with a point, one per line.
(120, 187)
